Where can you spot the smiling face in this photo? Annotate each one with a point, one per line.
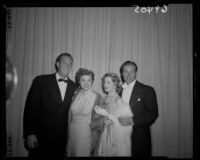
(129, 73)
(85, 82)
(64, 66)
(108, 85)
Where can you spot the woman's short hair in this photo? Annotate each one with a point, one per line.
(116, 80)
(60, 56)
(82, 72)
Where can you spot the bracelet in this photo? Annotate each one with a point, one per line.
(108, 116)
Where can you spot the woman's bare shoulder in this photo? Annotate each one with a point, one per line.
(120, 102)
(124, 108)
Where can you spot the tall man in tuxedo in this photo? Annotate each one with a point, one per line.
(46, 110)
(143, 102)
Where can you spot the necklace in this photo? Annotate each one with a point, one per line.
(111, 98)
(110, 102)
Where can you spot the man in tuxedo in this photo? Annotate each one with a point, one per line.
(143, 102)
(46, 110)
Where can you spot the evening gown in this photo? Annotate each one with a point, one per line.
(116, 139)
(79, 134)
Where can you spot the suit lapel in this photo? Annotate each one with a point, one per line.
(55, 88)
(134, 93)
(68, 91)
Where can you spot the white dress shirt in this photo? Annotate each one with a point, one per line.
(127, 90)
(62, 86)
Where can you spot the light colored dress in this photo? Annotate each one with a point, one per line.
(79, 134)
(116, 139)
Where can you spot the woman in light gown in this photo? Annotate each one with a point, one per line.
(79, 134)
(114, 140)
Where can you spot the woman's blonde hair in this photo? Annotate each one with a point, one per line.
(116, 80)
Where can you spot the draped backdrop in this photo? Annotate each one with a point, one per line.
(101, 39)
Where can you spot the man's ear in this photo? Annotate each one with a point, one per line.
(57, 64)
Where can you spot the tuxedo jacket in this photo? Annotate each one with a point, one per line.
(45, 113)
(143, 103)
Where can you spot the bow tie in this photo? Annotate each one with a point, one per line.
(124, 86)
(62, 80)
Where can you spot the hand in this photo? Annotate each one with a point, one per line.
(32, 141)
(101, 111)
(107, 122)
(126, 121)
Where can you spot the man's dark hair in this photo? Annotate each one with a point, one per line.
(126, 64)
(60, 56)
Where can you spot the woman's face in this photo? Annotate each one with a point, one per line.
(86, 82)
(108, 84)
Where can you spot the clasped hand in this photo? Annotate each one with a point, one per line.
(32, 141)
(126, 121)
(100, 111)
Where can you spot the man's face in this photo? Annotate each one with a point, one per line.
(64, 66)
(129, 73)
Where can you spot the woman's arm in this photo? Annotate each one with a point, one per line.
(125, 116)
(69, 116)
(105, 113)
